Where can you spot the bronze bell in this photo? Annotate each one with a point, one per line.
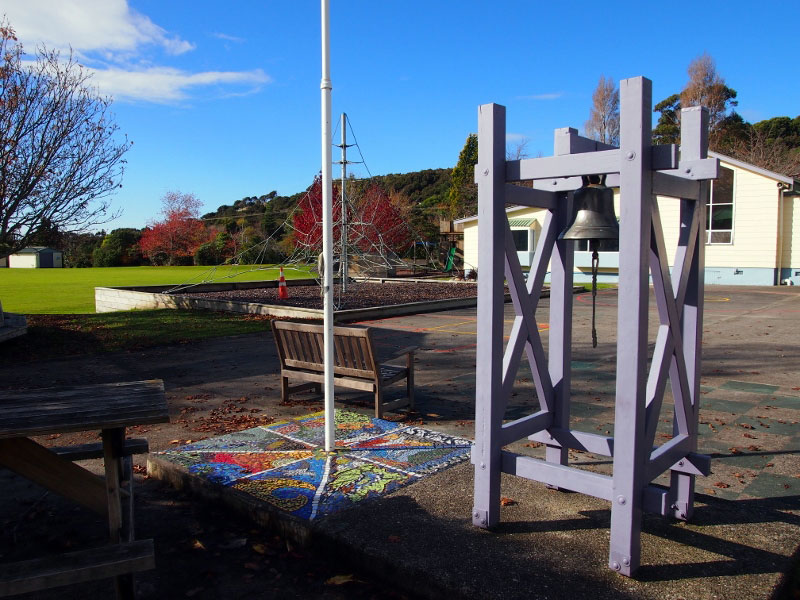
(593, 207)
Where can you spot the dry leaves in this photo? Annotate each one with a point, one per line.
(341, 580)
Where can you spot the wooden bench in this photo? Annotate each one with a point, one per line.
(300, 348)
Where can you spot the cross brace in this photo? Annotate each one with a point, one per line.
(641, 171)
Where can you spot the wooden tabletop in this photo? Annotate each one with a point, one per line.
(81, 408)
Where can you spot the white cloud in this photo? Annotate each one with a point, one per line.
(165, 84)
(124, 50)
(515, 137)
(228, 38)
(107, 26)
(549, 96)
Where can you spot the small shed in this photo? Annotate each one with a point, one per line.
(36, 257)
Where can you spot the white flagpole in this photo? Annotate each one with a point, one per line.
(327, 227)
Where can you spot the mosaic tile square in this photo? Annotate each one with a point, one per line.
(419, 461)
(322, 485)
(250, 440)
(226, 467)
(412, 436)
(283, 464)
(291, 488)
(350, 428)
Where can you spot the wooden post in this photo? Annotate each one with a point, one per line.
(489, 408)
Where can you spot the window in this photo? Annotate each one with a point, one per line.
(520, 239)
(719, 210)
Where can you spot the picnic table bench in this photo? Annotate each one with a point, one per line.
(356, 366)
(109, 408)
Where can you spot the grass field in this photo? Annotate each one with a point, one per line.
(56, 336)
(71, 291)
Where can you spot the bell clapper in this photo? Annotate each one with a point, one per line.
(593, 219)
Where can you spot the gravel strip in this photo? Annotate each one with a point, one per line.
(359, 295)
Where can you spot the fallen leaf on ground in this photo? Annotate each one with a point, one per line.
(507, 501)
(260, 548)
(198, 545)
(721, 484)
(341, 580)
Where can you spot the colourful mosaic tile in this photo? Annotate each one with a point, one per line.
(350, 428)
(283, 464)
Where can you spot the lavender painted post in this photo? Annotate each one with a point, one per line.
(694, 138)
(560, 332)
(630, 451)
(490, 175)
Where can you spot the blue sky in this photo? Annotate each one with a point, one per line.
(222, 99)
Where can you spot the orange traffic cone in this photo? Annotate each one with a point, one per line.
(283, 294)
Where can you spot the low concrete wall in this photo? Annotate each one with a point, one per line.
(151, 297)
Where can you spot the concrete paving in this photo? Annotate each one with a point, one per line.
(549, 544)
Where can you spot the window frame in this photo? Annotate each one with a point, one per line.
(710, 208)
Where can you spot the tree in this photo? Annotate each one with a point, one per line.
(603, 123)
(307, 220)
(773, 153)
(704, 88)
(59, 157)
(379, 224)
(463, 196)
(518, 149)
(174, 240)
(120, 248)
(79, 248)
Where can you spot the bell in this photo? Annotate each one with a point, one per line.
(593, 206)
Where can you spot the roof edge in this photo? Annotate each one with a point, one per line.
(790, 181)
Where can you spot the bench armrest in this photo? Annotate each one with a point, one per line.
(404, 351)
(408, 353)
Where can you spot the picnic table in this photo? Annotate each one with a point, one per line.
(109, 408)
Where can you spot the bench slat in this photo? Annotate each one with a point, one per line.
(89, 451)
(76, 567)
(301, 351)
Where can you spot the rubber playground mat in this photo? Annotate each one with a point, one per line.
(284, 464)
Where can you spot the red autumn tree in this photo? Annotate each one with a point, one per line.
(307, 220)
(374, 224)
(173, 240)
(379, 225)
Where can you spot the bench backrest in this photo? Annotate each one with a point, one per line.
(300, 346)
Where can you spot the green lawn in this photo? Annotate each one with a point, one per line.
(56, 336)
(71, 291)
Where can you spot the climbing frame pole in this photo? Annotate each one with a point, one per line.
(643, 173)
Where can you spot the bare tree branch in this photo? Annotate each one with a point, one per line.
(59, 159)
(603, 123)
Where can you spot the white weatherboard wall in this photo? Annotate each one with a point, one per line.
(765, 244)
(790, 249)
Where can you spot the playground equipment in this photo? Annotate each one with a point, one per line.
(641, 171)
